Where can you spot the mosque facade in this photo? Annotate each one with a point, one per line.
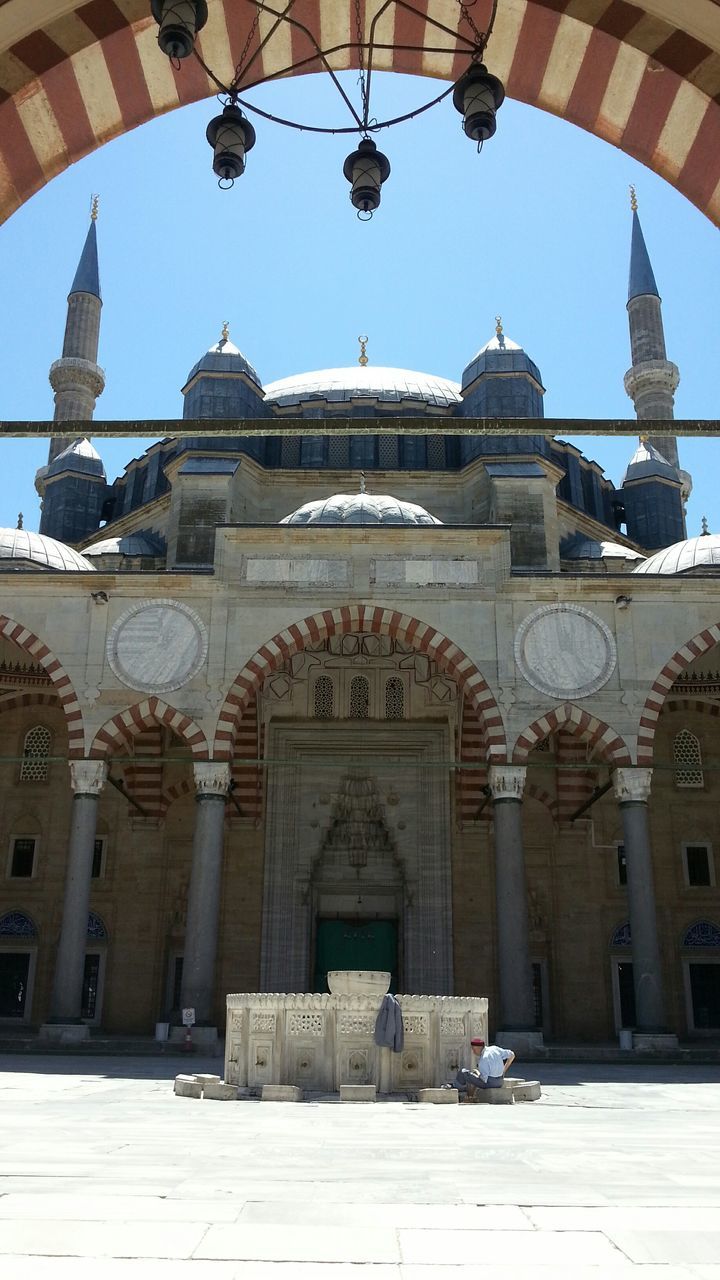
(438, 704)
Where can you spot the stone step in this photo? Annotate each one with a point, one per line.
(358, 1093)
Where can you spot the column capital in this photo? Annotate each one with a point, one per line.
(632, 785)
(212, 777)
(87, 777)
(507, 781)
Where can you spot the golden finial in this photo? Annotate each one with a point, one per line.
(633, 198)
(362, 358)
(703, 532)
(225, 331)
(20, 520)
(498, 325)
(362, 482)
(643, 438)
(94, 208)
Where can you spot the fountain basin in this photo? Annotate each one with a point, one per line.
(358, 982)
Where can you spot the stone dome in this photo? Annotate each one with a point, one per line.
(648, 463)
(79, 456)
(598, 549)
(21, 545)
(127, 544)
(360, 508)
(364, 382)
(499, 355)
(224, 357)
(692, 553)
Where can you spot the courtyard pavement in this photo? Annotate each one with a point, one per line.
(106, 1175)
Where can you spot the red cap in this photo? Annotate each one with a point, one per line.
(478, 1042)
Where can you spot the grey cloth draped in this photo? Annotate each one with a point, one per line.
(389, 1025)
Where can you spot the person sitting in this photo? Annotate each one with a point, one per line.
(491, 1063)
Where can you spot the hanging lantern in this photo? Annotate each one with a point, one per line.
(366, 169)
(230, 135)
(477, 96)
(179, 22)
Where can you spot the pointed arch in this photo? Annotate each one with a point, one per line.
(59, 100)
(363, 618)
(17, 701)
(600, 737)
(662, 685)
(120, 729)
(543, 797)
(63, 686)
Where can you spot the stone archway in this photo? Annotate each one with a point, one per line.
(362, 618)
(600, 737)
(120, 730)
(63, 686)
(662, 685)
(643, 75)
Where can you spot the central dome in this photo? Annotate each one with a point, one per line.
(360, 508)
(368, 382)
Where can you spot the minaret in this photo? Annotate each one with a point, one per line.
(652, 379)
(76, 378)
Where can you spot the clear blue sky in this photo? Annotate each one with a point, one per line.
(536, 228)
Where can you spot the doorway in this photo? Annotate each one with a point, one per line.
(623, 994)
(702, 988)
(14, 978)
(355, 944)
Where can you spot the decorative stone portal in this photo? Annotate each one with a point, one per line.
(321, 1042)
(358, 819)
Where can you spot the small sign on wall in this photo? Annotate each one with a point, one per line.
(188, 1017)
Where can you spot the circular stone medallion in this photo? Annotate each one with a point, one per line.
(157, 645)
(565, 651)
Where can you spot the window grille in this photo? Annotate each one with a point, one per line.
(688, 760)
(359, 698)
(36, 749)
(394, 698)
(704, 933)
(323, 698)
(338, 451)
(15, 924)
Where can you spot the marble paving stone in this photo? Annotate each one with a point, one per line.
(612, 1219)
(685, 1247)
(507, 1248)
(17, 1267)
(475, 1271)
(103, 1239)
(93, 1208)
(299, 1243)
(431, 1217)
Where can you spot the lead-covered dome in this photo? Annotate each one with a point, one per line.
(385, 387)
(500, 356)
(692, 553)
(80, 457)
(36, 548)
(360, 508)
(223, 358)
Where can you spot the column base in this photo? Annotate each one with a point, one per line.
(202, 1037)
(521, 1041)
(654, 1042)
(64, 1032)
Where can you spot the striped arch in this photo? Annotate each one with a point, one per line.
(119, 731)
(643, 75)
(662, 685)
(540, 794)
(64, 690)
(175, 792)
(18, 700)
(364, 618)
(600, 737)
(696, 705)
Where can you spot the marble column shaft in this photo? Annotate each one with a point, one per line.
(87, 779)
(203, 910)
(632, 789)
(516, 1011)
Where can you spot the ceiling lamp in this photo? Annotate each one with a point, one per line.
(230, 135)
(366, 169)
(477, 96)
(179, 22)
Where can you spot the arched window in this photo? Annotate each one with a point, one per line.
(15, 924)
(96, 928)
(621, 935)
(323, 698)
(687, 757)
(36, 749)
(359, 698)
(394, 698)
(704, 933)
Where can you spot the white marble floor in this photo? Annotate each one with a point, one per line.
(105, 1174)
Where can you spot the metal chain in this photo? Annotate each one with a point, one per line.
(481, 37)
(260, 5)
(361, 65)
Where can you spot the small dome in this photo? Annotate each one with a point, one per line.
(693, 553)
(363, 382)
(128, 544)
(594, 549)
(360, 508)
(499, 355)
(79, 456)
(20, 544)
(224, 357)
(648, 463)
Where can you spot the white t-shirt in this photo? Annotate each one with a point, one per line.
(492, 1061)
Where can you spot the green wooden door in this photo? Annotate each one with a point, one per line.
(347, 944)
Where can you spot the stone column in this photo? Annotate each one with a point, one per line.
(87, 778)
(632, 791)
(212, 780)
(516, 1012)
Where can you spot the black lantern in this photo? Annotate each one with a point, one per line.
(179, 22)
(366, 169)
(230, 135)
(477, 96)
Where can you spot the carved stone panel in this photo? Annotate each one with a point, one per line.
(565, 651)
(157, 645)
